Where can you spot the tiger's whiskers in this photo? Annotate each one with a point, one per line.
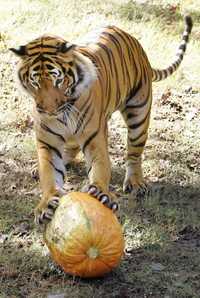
(73, 118)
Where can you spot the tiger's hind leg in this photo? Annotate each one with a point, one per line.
(136, 113)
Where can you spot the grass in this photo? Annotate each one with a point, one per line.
(162, 231)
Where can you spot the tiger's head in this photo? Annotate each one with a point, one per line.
(53, 72)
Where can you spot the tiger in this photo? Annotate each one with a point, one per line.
(76, 88)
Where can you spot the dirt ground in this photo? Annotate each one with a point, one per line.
(161, 230)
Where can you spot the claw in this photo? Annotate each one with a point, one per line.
(101, 196)
(142, 191)
(45, 212)
(39, 220)
(104, 199)
(48, 214)
(114, 206)
(128, 188)
(93, 190)
(53, 204)
(45, 217)
(136, 189)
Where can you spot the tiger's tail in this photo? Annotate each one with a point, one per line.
(161, 74)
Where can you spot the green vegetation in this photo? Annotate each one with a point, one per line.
(162, 230)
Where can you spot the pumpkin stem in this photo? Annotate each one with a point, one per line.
(93, 252)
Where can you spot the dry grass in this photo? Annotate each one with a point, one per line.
(162, 231)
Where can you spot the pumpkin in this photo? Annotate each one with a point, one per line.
(84, 236)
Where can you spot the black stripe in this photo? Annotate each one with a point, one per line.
(22, 82)
(115, 70)
(136, 138)
(136, 125)
(155, 74)
(79, 71)
(119, 49)
(88, 121)
(176, 64)
(43, 126)
(136, 155)
(23, 74)
(36, 68)
(80, 121)
(181, 56)
(88, 170)
(51, 148)
(185, 38)
(43, 59)
(61, 121)
(189, 23)
(182, 47)
(37, 53)
(108, 52)
(115, 75)
(131, 115)
(165, 73)
(41, 46)
(40, 111)
(71, 74)
(87, 142)
(140, 105)
(105, 85)
(72, 101)
(170, 69)
(64, 49)
(134, 91)
(43, 147)
(140, 144)
(58, 170)
(128, 45)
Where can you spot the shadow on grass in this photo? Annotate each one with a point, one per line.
(148, 271)
(162, 257)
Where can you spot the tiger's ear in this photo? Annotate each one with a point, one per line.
(21, 51)
(65, 47)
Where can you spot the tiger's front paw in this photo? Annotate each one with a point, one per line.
(105, 198)
(46, 208)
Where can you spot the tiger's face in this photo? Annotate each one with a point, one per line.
(53, 73)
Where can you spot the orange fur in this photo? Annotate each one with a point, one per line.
(76, 89)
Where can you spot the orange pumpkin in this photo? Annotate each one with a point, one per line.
(84, 237)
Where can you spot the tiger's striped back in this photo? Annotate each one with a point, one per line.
(121, 65)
